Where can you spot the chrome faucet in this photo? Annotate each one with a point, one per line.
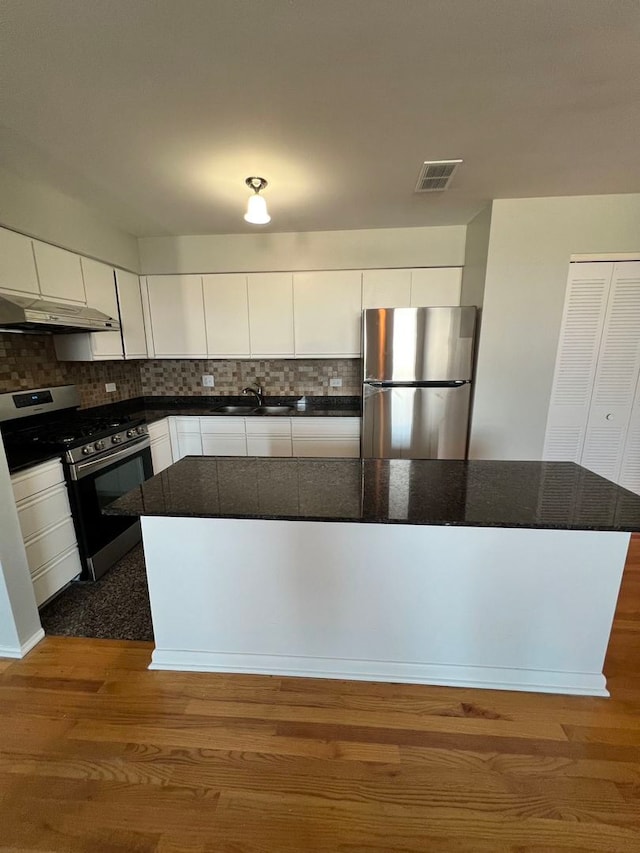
(256, 391)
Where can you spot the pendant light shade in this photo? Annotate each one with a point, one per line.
(257, 213)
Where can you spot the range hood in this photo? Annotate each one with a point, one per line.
(38, 316)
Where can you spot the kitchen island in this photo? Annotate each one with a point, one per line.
(478, 573)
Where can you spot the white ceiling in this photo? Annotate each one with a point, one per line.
(155, 111)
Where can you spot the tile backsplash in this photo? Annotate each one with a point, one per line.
(277, 376)
(29, 361)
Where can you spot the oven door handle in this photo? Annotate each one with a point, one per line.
(84, 469)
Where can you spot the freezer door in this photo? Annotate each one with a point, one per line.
(418, 344)
(415, 423)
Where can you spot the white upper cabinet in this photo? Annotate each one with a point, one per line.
(176, 311)
(328, 310)
(100, 288)
(17, 264)
(226, 311)
(59, 273)
(435, 286)
(386, 288)
(270, 298)
(131, 315)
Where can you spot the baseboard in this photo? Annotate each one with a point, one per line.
(25, 648)
(488, 678)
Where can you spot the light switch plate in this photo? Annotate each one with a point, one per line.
(109, 387)
(335, 382)
(208, 381)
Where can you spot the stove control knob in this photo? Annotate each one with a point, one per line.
(87, 450)
(99, 445)
(116, 439)
(141, 430)
(131, 433)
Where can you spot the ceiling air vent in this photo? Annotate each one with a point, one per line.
(435, 175)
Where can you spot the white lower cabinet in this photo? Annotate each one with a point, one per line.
(223, 436)
(161, 454)
(268, 436)
(47, 528)
(326, 437)
(264, 436)
(185, 437)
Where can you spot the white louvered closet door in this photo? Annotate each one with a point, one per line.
(583, 320)
(616, 376)
(630, 468)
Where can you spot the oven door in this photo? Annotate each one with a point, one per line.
(94, 484)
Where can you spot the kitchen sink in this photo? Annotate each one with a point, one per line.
(272, 410)
(235, 410)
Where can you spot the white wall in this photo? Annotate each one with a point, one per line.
(49, 215)
(475, 258)
(19, 620)
(530, 244)
(382, 247)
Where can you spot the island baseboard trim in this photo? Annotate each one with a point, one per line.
(24, 649)
(488, 678)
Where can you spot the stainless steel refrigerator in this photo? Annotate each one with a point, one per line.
(417, 382)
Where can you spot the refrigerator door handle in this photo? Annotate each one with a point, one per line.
(452, 383)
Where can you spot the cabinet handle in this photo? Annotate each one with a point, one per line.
(609, 417)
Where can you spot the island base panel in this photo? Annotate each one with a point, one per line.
(500, 608)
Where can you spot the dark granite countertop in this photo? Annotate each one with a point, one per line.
(558, 495)
(153, 409)
(150, 409)
(23, 458)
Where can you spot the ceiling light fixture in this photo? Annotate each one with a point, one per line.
(257, 212)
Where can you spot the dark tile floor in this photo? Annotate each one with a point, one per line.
(116, 607)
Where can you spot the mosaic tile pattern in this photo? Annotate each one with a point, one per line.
(277, 376)
(29, 361)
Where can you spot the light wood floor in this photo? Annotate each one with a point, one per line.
(99, 755)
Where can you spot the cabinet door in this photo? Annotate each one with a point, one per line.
(100, 289)
(616, 375)
(435, 286)
(177, 315)
(338, 437)
(17, 264)
(328, 314)
(226, 311)
(161, 455)
(270, 298)
(223, 436)
(59, 273)
(576, 360)
(189, 444)
(268, 436)
(131, 316)
(630, 468)
(386, 288)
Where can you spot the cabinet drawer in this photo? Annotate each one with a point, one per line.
(325, 427)
(55, 575)
(46, 546)
(276, 426)
(37, 479)
(187, 424)
(159, 429)
(222, 426)
(43, 511)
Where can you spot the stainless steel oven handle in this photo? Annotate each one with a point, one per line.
(84, 469)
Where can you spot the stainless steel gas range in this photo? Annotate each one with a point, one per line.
(104, 457)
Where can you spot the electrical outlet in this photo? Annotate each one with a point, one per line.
(335, 382)
(109, 387)
(207, 380)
